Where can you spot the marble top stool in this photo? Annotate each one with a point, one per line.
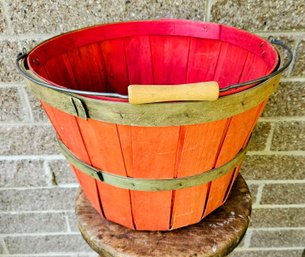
(217, 235)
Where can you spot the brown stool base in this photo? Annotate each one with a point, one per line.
(217, 235)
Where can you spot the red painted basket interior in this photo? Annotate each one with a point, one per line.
(108, 58)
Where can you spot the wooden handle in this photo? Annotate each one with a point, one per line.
(202, 91)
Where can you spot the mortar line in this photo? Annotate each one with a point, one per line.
(280, 33)
(282, 118)
(26, 104)
(262, 206)
(19, 124)
(4, 247)
(61, 254)
(39, 234)
(208, 10)
(247, 239)
(259, 194)
(276, 153)
(267, 249)
(7, 17)
(267, 181)
(270, 137)
(42, 187)
(26, 36)
(9, 85)
(257, 183)
(32, 157)
(35, 212)
(67, 223)
(277, 206)
(293, 79)
(48, 172)
(65, 254)
(277, 228)
(294, 55)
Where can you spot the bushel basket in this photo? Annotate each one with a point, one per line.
(155, 166)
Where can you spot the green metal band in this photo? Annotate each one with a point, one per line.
(142, 184)
(157, 114)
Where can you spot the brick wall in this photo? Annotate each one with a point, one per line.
(36, 186)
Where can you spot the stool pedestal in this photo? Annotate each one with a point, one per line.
(217, 235)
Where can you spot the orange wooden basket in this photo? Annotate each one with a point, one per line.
(158, 142)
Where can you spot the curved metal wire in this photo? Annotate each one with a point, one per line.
(261, 79)
(23, 55)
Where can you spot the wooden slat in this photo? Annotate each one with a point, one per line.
(226, 74)
(236, 171)
(67, 129)
(240, 127)
(254, 68)
(58, 72)
(86, 67)
(138, 58)
(238, 133)
(169, 58)
(150, 153)
(230, 65)
(198, 144)
(103, 146)
(252, 44)
(116, 67)
(101, 139)
(197, 149)
(202, 61)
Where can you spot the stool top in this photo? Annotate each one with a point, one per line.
(216, 235)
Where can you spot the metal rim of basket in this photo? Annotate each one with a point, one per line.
(23, 55)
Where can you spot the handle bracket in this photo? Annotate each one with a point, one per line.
(80, 109)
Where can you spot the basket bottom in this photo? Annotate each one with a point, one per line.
(204, 210)
(218, 234)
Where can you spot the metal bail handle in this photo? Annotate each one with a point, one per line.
(23, 55)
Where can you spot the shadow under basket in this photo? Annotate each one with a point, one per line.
(185, 156)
